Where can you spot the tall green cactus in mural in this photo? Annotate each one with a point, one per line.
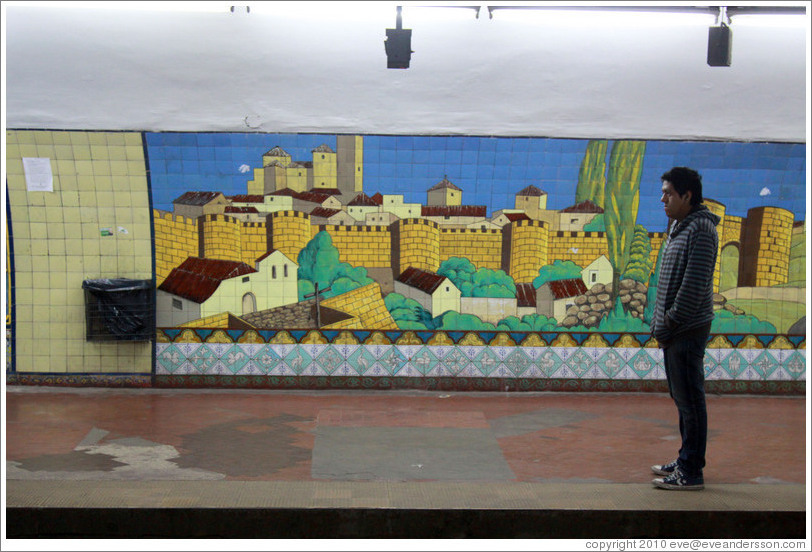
(592, 176)
(622, 201)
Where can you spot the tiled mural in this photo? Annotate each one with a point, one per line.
(303, 260)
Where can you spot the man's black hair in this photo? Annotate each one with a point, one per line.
(685, 180)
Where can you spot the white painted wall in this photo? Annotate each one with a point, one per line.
(94, 68)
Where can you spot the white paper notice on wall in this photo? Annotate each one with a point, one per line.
(38, 175)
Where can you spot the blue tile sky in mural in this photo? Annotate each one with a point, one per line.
(489, 170)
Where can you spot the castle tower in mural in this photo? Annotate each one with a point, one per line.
(444, 194)
(350, 164)
(532, 201)
(326, 170)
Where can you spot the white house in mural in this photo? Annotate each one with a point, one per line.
(360, 206)
(392, 203)
(204, 287)
(307, 201)
(574, 218)
(598, 271)
(506, 216)
(280, 200)
(335, 217)
(555, 297)
(379, 218)
(196, 204)
(244, 214)
(437, 294)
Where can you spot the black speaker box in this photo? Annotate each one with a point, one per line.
(719, 40)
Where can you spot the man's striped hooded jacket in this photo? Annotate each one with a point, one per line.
(685, 286)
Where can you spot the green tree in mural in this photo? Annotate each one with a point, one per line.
(473, 282)
(559, 270)
(460, 271)
(408, 313)
(452, 320)
(639, 266)
(727, 322)
(492, 283)
(528, 323)
(618, 320)
(319, 263)
(651, 294)
(592, 175)
(597, 224)
(622, 201)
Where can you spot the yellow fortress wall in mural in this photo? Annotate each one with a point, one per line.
(423, 244)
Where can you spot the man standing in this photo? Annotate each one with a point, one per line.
(682, 319)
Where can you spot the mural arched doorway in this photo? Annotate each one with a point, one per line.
(729, 267)
(249, 303)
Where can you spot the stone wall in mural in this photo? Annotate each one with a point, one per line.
(266, 231)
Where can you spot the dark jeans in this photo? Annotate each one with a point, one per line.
(684, 368)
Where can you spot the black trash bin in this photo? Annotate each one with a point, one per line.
(119, 309)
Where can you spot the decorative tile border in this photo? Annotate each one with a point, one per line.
(494, 361)
(426, 361)
(472, 338)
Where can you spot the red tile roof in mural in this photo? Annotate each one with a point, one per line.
(246, 198)
(313, 197)
(197, 198)
(285, 192)
(326, 191)
(513, 217)
(377, 198)
(585, 206)
(525, 295)
(362, 200)
(425, 281)
(241, 210)
(323, 212)
(454, 210)
(530, 191)
(324, 148)
(444, 183)
(197, 279)
(564, 289)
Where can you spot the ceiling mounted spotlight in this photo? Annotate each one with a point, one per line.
(720, 40)
(398, 45)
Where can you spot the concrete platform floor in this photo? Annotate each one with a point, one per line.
(393, 464)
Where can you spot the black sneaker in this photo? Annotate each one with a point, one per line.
(665, 469)
(677, 481)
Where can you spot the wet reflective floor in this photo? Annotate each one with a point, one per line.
(391, 436)
(99, 448)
